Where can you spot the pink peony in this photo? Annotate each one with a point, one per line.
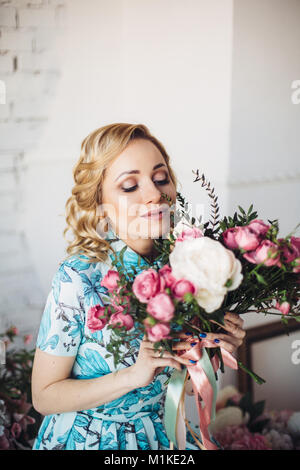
(166, 273)
(188, 233)
(158, 332)
(240, 438)
(251, 442)
(161, 307)
(110, 280)
(229, 237)
(246, 238)
(259, 227)
(120, 319)
(284, 307)
(260, 255)
(181, 287)
(96, 318)
(147, 284)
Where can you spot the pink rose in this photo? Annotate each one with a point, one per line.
(229, 237)
(147, 284)
(96, 318)
(259, 227)
(296, 269)
(4, 442)
(117, 300)
(188, 233)
(290, 251)
(16, 430)
(161, 307)
(181, 287)
(120, 319)
(246, 238)
(13, 330)
(295, 241)
(260, 255)
(158, 332)
(284, 307)
(166, 273)
(27, 339)
(110, 280)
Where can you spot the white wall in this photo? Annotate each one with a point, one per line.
(264, 137)
(211, 79)
(163, 63)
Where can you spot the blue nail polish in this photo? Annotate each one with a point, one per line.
(216, 340)
(193, 344)
(193, 362)
(202, 335)
(189, 334)
(182, 366)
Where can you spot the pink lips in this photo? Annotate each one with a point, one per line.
(155, 213)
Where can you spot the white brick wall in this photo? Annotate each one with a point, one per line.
(29, 67)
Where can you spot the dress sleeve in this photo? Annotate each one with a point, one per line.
(62, 323)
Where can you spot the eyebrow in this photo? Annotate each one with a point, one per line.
(137, 171)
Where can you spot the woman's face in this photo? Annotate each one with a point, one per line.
(133, 185)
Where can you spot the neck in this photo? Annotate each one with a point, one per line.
(144, 247)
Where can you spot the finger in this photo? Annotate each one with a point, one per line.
(186, 335)
(159, 353)
(234, 329)
(220, 339)
(184, 345)
(234, 318)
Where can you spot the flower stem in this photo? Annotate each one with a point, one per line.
(259, 380)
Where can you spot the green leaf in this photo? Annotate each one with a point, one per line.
(242, 210)
(259, 380)
(228, 283)
(260, 278)
(121, 254)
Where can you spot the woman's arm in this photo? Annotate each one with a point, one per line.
(53, 391)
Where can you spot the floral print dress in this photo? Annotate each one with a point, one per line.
(135, 420)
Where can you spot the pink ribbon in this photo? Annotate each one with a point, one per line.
(201, 385)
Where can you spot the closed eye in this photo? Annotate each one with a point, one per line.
(159, 182)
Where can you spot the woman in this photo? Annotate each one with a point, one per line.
(119, 178)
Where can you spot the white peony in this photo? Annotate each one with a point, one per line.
(228, 416)
(293, 424)
(208, 265)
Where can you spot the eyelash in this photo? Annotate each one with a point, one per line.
(161, 182)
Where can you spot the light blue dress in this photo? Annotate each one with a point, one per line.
(135, 420)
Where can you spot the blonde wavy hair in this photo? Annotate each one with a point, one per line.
(98, 149)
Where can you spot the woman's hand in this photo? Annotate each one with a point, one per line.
(149, 363)
(236, 334)
(230, 341)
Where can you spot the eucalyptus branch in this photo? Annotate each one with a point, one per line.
(214, 205)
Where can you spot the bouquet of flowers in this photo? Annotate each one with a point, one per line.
(236, 264)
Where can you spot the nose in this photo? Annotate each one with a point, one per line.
(151, 194)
